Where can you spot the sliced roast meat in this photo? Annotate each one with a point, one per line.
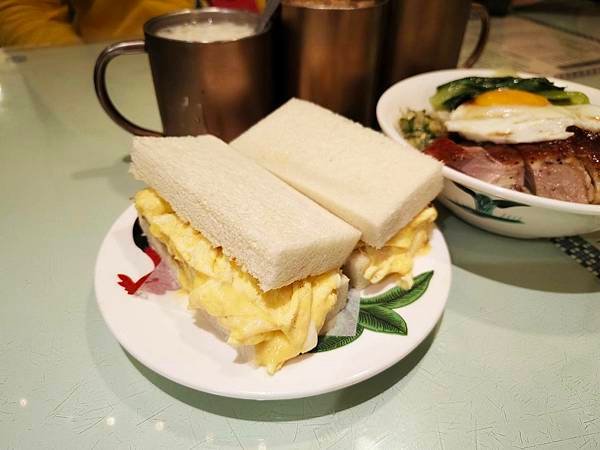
(552, 170)
(496, 164)
(513, 166)
(586, 145)
(564, 170)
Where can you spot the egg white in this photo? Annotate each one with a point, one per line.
(587, 117)
(513, 124)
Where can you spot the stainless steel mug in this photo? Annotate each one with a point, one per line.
(425, 35)
(221, 87)
(331, 54)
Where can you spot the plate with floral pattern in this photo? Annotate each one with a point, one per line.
(159, 331)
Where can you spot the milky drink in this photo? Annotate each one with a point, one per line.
(209, 31)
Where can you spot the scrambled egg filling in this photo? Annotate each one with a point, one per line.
(397, 255)
(280, 324)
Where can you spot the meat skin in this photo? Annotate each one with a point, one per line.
(495, 164)
(566, 169)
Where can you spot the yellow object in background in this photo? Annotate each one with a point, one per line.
(31, 23)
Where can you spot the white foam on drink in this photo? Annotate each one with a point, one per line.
(207, 31)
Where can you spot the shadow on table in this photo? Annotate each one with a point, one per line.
(528, 263)
(288, 410)
(115, 174)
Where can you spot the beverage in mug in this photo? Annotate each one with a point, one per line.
(207, 31)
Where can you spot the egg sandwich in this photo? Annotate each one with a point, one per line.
(380, 187)
(256, 257)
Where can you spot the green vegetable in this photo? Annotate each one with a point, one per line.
(419, 128)
(559, 97)
(450, 95)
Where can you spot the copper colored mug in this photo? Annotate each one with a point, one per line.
(425, 35)
(330, 53)
(221, 87)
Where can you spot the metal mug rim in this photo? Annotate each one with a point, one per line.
(189, 11)
(323, 7)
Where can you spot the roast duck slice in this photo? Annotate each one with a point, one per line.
(494, 164)
(552, 170)
(563, 170)
(586, 145)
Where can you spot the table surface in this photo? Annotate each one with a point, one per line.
(514, 362)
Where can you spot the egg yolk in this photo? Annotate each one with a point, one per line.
(510, 97)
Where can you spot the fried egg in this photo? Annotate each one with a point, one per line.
(587, 117)
(508, 116)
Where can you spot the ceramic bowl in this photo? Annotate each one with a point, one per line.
(482, 204)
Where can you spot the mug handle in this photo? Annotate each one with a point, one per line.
(107, 55)
(481, 12)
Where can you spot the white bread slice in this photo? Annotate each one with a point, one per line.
(362, 176)
(272, 230)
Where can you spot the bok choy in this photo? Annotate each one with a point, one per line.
(451, 95)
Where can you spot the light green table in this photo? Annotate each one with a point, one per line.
(515, 361)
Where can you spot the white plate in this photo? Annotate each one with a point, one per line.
(161, 333)
(536, 217)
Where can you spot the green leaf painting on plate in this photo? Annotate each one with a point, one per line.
(398, 297)
(377, 313)
(381, 319)
(327, 343)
